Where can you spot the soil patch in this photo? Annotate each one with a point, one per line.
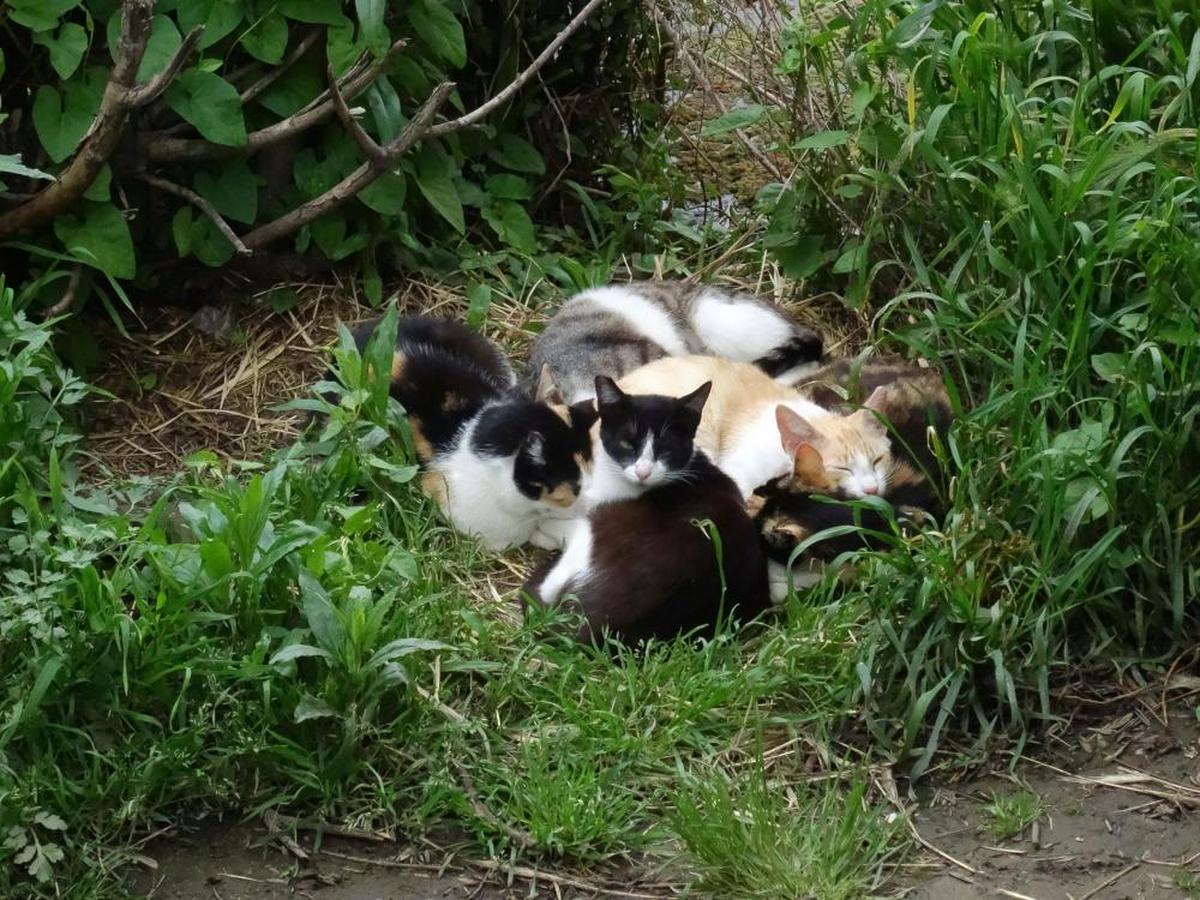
(243, 862)
(1120, 818)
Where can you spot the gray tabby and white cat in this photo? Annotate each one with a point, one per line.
(613, 330)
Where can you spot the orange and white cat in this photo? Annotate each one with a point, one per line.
(753, 426)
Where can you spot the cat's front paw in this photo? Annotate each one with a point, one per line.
(552, 534)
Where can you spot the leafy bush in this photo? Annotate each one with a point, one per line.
(245, 133)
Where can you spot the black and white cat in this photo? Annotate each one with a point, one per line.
(645, 567)
(498, 464)
(643, 441)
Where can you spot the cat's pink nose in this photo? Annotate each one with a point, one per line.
(870, 489)
(642, 470)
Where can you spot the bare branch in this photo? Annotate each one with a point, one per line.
(486, 109)
(698, 73)
(105, 131)
(161, 148)
(365, 142)
(201, 204)
(151, 90)
(352, 184)
(292, 58)
(67, 300)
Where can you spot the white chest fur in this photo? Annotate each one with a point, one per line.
(756, 454)
(481, 499)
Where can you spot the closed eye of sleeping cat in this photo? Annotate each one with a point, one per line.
(644, 440)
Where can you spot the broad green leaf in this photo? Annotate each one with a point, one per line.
(386, 110)
(435, 174)
(62, 119)
(517, 154)
(67, 47)
(310, 707)
(315, 12)
(298, 651)
(267, 39)
(823, 140)
(39, 15)
(232, 189)
(164, 41)
(1109, 366)
(741, 117)
(219, 18)
(211, 104)
(322, 618)
(208, 244)
(513, 225)
(507, 187)
(299, 85)
(181, 230)
(386, 194)
(852, 258)
(802, 257)
(479, 298)
(100, 190)
(440, 31)
(329, 232)
(100, 237)
(314, 176)
(344, 44)
(370, 21)
(11, 165)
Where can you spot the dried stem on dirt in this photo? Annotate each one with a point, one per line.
(121, 97)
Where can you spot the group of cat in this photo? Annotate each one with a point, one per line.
(674, 442)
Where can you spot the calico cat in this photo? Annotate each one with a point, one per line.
(613, 330)
(643, 441)
(912, 402)
(742, 431)
(644, 568)
(498, 464)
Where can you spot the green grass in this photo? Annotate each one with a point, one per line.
(1010, 814)
(298, 632)
(749, 837)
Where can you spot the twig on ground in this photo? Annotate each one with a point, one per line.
(273, 822)
(201, 204)
(937, 851)
(1110, 880)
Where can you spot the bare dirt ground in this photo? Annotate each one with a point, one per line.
(1121, 818)
(244, 862)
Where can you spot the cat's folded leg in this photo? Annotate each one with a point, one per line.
(803, 576)
(552, 534)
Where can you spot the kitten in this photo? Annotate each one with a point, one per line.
(613, 330)
(644, 441)
(644, 568)
(743, 433)
(498, 464)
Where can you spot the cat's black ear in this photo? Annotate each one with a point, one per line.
(694, 402)
(607, 393)
(533, 448)
(583, 415)
(547, 391)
